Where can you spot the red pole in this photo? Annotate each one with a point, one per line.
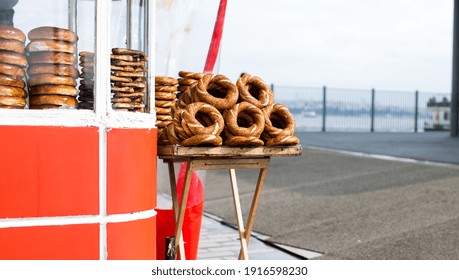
(216, 38)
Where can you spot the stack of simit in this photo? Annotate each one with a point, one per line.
(86, 94)
(187, 82)
(52, 71)
(129, 84)
(219, 112)
(165, 99)
(12, 64)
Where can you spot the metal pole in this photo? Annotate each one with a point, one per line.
(372, 127)
(129, 16)
(72, 15)
(324, 108)
(416, 110)
(146, 48)
(455, 82)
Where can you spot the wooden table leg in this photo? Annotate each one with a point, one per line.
(181, 211)
(173, 186)
(175, 206)
(201, 164)
(244, 255)
(254, 206)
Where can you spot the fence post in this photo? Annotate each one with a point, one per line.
(372, 127)
(324, 108)
(416, 110)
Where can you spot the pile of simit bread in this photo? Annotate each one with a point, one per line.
(200, 109)
(44, 73)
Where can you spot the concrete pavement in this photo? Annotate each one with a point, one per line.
(219, 241)
(351, 196)
(429, 146)
(354, 205)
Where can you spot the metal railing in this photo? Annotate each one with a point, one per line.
(360, 110)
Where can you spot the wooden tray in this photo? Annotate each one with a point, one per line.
(175, 151)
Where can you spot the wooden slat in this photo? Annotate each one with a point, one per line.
(225, 163)
(180, 151)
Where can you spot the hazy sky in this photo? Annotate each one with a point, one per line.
(386, 44)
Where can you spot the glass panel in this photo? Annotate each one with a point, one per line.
(50, 46)
(47, 54)
(128, 57)
(85, 27)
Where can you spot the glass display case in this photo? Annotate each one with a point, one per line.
(78, 136)
(80, 54)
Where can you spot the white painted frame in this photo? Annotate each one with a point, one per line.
(103, 115)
